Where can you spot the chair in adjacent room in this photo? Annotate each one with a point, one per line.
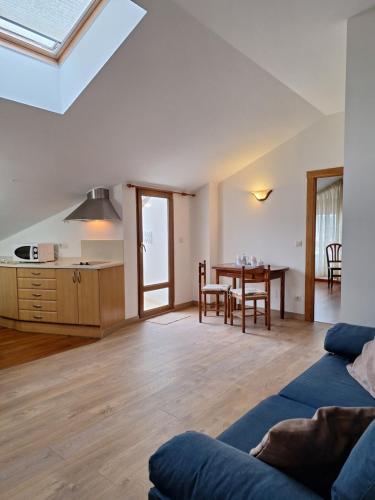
(333, 253)
(248, 296)
(211, 289)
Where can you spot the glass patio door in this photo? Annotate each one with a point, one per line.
(155, 251)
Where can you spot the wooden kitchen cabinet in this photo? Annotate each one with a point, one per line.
(78, 296)
(69, 301)
(8, 292)
(66, 296)
(88, 297)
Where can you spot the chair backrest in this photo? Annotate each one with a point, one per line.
(259, 274)
(202, 273)
(333, 252)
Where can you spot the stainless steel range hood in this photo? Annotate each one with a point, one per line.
(97, 207)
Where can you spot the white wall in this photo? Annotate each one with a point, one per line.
(359, 179)
(68, 235)
(182, 248)
(130, 253)
(271, 229)
(205, 242)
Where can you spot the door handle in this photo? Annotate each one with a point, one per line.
(35, 274)
(142, 247)
(36, 284)
(37, 317)
(37, 306)
(74, 277)
(79, 276)
(36, 294)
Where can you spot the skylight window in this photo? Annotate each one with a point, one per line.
(46, 27)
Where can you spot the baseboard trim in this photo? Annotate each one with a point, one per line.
(184, 305)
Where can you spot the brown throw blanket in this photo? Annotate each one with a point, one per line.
(363, 368)
(314, 450)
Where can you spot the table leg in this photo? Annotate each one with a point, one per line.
(282, 295)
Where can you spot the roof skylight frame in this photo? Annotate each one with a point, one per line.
(47, 48)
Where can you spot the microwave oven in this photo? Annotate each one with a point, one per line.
(34, 252)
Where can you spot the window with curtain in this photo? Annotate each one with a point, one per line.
(328, 224)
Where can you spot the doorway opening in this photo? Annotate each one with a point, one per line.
(324, 245)
(155, 252)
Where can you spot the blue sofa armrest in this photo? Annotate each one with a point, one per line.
(348, 340)
(194, 466)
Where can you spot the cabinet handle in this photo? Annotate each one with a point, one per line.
(35, 274)
(36, 294)
(79, 276)
(36, 284)
(36, 306)
(37, 317)
(74, 277)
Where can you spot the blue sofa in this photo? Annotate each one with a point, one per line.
(197, 467)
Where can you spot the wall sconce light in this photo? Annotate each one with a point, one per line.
(261, 195)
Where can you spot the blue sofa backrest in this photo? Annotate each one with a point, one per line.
(348, 340)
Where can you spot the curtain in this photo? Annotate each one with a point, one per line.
(328, 224)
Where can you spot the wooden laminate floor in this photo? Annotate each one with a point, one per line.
(17, 348)
(82, 424)
(327, 302)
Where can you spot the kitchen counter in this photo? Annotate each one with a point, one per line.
(66, 263)
(62, 297)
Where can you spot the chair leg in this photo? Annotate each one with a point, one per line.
(205, 303)
(265, 313)
(243, 315)
(225, 308)
(329, 274)
(255, 312)
(200, 307)
(217, 304)
(231, 310)
(268, 313)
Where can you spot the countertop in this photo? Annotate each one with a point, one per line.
(67, 263)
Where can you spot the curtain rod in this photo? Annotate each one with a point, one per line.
(160, 190)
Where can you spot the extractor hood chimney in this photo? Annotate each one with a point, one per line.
(97, 207)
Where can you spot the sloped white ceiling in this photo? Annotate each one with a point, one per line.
(176, 105)
(300, 42)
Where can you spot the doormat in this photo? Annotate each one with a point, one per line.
(166, 319)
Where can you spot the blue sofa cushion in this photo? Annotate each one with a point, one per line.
(356, 480)
(249, 430)
(193, 466)
(328, 383)
(348, 340)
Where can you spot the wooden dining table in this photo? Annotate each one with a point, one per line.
(234, 271)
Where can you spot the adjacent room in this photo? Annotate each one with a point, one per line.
(186, 214)
(328, 249)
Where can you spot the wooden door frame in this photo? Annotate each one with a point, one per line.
(140, 191)
(312, 178)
